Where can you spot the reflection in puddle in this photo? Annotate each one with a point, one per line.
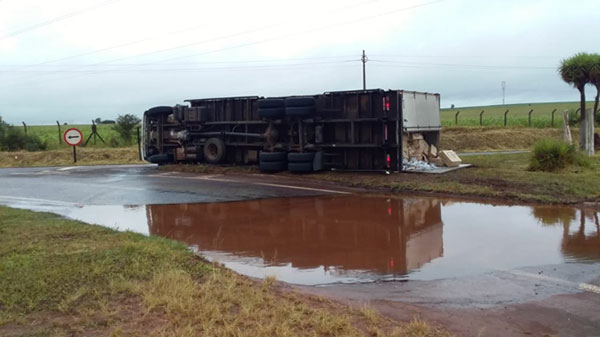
(359, 239)
(333, 239)
(580, 234)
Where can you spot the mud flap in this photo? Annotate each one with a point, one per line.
(318, 161)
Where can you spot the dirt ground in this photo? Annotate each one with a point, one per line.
(559, 315)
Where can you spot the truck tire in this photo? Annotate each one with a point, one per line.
(159, 110)
(271, 112)
(272, 166)
(299, 102)
(161, 158)
(305, 157)
(214, 150)
(302, 111)
(270, 103)
(272, 156)
(300, 167)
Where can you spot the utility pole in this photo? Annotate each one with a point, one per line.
(364, 60)
(503, 91)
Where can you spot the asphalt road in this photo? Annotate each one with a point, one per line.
(141, 185)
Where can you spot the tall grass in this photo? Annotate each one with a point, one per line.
(551, 155)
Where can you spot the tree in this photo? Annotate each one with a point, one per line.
(125, 125)
(98, 120)
(3, 128)
(595, 80)
(576, 71)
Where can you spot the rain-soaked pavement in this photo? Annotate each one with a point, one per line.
(534, 269)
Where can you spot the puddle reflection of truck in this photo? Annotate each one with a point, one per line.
(385, 236)
(352, 130)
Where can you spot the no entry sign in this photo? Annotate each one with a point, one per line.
(73, 137)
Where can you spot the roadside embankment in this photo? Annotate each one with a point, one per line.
(65, 278)
(476, 139)
(64, 156)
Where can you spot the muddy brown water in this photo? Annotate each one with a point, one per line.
(347, 239)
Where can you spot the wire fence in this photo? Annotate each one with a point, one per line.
(533, 118)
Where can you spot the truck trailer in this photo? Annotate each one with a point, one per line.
(340, 130)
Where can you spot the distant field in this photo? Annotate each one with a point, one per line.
(49, 133)
(493, 115)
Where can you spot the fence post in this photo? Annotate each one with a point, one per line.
(139, 143)
(553, 111)
(566, 128)
(530, 111)
(59, 134)
(25, 127)
(481, 118)
(589, 132)
(456, 118)
(505, 113)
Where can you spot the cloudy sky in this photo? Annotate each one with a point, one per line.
(75, 60)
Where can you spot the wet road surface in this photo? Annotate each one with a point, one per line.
(506, 269)
(141, 185)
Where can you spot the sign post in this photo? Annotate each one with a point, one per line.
(73, 137)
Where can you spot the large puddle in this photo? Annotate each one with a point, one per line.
(321, 240)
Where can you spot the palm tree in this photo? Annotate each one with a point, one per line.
(595, 80)
(575, 71)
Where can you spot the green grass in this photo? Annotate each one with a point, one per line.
(48, 263)
(49, 134)
(517, 115)
(63, 278)
(508, 177)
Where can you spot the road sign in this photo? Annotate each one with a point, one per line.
(73, 137)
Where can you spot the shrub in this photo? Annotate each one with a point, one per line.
(14, 139)
(551, 155)
(125, 125)
(35, 143)
(3, 128)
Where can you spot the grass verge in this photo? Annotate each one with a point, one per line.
(64, 278)
(64, 156)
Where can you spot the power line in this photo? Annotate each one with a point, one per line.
(254, 30)
(437, 55)
(366, 18)
(137, 69)
(54, 20)
(181, 64)
(483, 66)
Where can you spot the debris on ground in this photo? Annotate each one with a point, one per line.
(450, 158)
(417, 165)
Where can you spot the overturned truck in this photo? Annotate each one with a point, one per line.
(343, 130)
